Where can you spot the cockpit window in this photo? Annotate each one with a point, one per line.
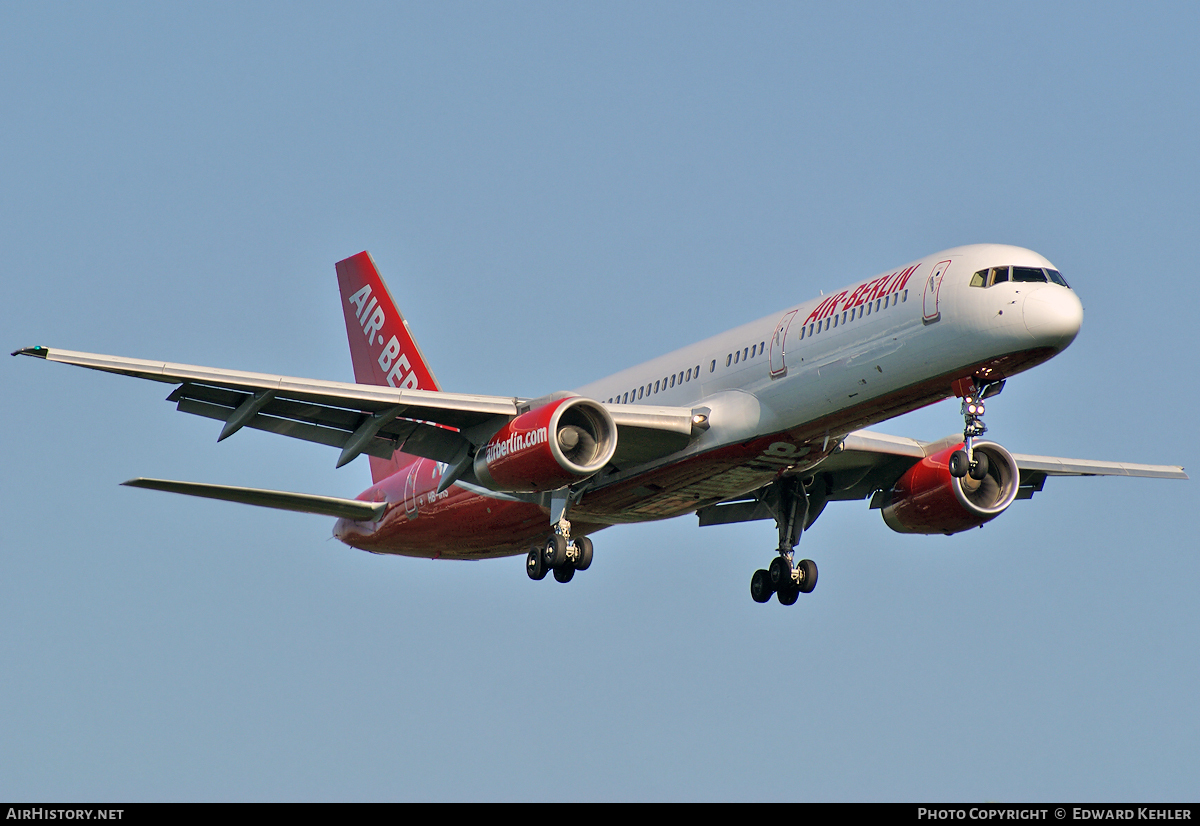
(1028, 275)
(1020, 275)
(1056, 278)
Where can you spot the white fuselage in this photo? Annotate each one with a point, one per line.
(864, 354)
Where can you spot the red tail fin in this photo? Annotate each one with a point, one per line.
(382, 348)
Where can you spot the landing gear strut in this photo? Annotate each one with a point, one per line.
(964, 462)
(785, 578)
(558, 552)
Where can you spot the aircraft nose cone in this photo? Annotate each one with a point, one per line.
(1053, 315)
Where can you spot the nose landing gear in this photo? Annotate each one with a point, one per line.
(964, 462)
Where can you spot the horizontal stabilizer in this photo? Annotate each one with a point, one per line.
(282, 500)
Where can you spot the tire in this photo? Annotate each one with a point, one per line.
(788, 596)
(780, 572)
(555, 551)
(979, 470)
(584, 546)
(959, 464)
(563, 573)
(535, 563)
(760, 586)
(808, 576)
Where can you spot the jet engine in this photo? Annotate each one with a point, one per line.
(548, 447)
(928, 499)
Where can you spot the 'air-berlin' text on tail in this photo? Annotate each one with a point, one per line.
(382, 348)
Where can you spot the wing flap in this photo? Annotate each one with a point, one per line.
(647, 432)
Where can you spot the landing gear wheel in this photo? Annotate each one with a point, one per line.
(979, 470)
(563, 573)
(808, 576)
(788, 596)
(555, 551)
(959, 464)
(780, 572)
(535, 563)
(760, 586)
(584, 560)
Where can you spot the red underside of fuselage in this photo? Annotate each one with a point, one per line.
(463, 524)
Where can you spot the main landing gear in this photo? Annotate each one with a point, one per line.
(965, 462)
(558, 552)
(784, 578)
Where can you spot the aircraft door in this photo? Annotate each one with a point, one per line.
(779, 346)
(410, 491)
(932, 285)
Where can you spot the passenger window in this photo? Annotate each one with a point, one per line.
(802, 333)
(626, 399)
(877, 301)
(712, 368)
(729, 359)
(886, 299)
(753, 350)
(999, 274)
(745, 353)
(1028, 275)
(689, 375)
(737, 356)
(697, 373)
(641, 392)
(868, 306)
(762, 347)
(672, 379)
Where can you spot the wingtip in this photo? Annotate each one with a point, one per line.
(38, 351)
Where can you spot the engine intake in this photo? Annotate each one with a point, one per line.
(927, 499)
(549, 447)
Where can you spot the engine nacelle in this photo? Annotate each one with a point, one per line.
(927, 499)
(549, 447)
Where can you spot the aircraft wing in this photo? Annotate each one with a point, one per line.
(870, 463)
(366, 418)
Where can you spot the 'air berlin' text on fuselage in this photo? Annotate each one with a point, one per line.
(861, 294)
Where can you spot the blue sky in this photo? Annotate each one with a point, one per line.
(554, 192)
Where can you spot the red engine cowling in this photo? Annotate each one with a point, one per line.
(927, 499)
(549, 447)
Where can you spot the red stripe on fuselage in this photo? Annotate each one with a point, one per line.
(462, 524)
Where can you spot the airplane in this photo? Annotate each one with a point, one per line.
(763, 422)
